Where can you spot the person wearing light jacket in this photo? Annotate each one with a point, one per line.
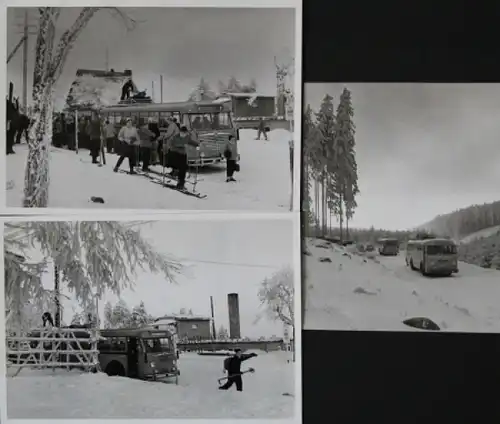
(178, 154)
(129, 137)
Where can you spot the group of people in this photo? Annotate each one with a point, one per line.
(146, 145)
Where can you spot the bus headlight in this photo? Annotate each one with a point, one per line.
(152, 365)
(202, 155)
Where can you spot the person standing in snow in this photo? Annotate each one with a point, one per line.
(146, 141)
(233, 367)
(178, 154)
(261, 129)
(129, 138)
(172, 131)
(95, 137)
(231, 155)
(153, 127)
(110, 134)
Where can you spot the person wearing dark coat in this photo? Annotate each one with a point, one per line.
(95, 138)
(234, 370)
(261, 129)
(178, 154)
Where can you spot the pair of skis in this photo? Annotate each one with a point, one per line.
(156, 178)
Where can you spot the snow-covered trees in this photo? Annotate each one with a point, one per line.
(276, 295)
(203, 90)
(92, 257)
(330, 162)
(121, 316)
(222, 334)
(50, 58)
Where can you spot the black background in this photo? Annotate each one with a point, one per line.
(390, 377)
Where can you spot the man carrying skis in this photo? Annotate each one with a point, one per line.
(233, 367)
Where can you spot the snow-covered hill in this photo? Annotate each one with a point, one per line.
(263, 183)
(346, 291)
(71, 395)
(487, 232)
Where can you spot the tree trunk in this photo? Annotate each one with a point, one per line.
(36, 182)
(341, 217)
(57, 298)
(347, 227)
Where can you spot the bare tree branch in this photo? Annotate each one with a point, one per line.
(129, 22)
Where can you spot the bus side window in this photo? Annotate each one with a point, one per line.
(163, 119)
(186, 122)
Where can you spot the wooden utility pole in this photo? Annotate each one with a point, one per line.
(153, 91)
(25, 62)
(107, 59)
(161, 88)
(214, 334)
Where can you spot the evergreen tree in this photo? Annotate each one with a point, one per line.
(234, 85)
(93, 257)
(140, 317)
(330, 198)
(345, 157)
(121, 315)
(223, 334)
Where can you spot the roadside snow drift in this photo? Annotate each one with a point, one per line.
(263, 183)
(346, 291)
(71, 395)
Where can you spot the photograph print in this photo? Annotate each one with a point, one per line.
(150, 108)
(151, 319)
(401, 223)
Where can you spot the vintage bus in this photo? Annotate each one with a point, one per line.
(207, 121)
(432, 256)
(388, 246)
(142, 353)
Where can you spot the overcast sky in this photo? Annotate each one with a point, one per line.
(182, 44)
(422, 149)
(221, 257)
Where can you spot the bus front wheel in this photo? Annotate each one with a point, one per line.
(411, 265)
(114, 368)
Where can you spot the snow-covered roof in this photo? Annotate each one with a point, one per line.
(247, 95)
(93, 89)
(179, 317)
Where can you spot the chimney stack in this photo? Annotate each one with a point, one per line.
(234, 315)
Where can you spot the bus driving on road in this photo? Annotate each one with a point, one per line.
(208, 122)
(432, 256)
(388, 247)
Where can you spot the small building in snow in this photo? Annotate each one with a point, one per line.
(189, 327)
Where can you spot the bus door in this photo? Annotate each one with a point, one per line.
(133, 356)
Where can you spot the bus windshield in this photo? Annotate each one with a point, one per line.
(444, 249)
(157, 345)
(210, 121)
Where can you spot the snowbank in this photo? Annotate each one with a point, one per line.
(70, 395)
(263, 183)
(346, 291)
(487, 232)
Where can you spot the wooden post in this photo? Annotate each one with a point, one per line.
(76, 131)
(25, 63)
(161, 88)
(214, 334)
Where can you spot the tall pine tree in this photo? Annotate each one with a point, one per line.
(326, 124)
(346, 171)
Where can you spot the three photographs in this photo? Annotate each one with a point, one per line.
(401, 212)
(165, 312)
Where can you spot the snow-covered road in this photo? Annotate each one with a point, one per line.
(358, 293)
(263, 183)
(70, 395)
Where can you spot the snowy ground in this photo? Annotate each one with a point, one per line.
(70, 395)
(358, 293)
(487, 232)
(263, 183)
